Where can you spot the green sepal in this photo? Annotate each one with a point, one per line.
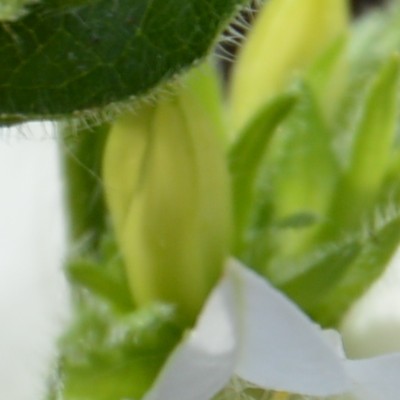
(301, 173)
(377, 250)
(309, 287)
(100, 273)
(246, 156)
(376, 130)
(374, 38)
(302, 160)
(360, 184)
(99, 281)
(326, 288)
(108, 356)
(111, 350)
(390, 191)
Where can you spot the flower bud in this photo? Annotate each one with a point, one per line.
(167, 188)
(287, 37)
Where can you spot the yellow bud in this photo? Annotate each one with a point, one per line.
(168, 192)
(287, 37)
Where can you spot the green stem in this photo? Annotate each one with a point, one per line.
(83, 152)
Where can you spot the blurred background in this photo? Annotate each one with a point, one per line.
(360, 6)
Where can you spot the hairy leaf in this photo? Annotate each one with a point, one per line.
(108, 356)
(68, 56)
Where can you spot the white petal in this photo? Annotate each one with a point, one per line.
(282, 349)
(204, 361)
(376, 378)
(335, 340)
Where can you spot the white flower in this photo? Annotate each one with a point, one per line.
(249, 329)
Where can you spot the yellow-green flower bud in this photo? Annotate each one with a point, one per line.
(168, 192)
(287, 37)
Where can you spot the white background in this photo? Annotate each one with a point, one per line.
(32, 243)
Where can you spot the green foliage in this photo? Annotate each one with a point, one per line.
(111, 350)
(107, 356)
(375, 132)
(327, 284)
(69, 56)
(374, 38)
(103, 276)
(376, 251)
(309, 287)
(246, 157)
(327, 174)
(370, 153)
(302, 173)
(83, 152)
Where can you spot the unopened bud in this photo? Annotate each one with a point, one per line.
(287, 37)
(168, 192)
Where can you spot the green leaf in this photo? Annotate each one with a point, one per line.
(376, 252)
(390, 191)
(376, 130)
(246, 156)
(106, 356)
(359, 186)
(326, 288)
(68, 56)
(303, 161)
(100, 282)
(101, 273)
(302, 173)
(374, 37)
(309, 287)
